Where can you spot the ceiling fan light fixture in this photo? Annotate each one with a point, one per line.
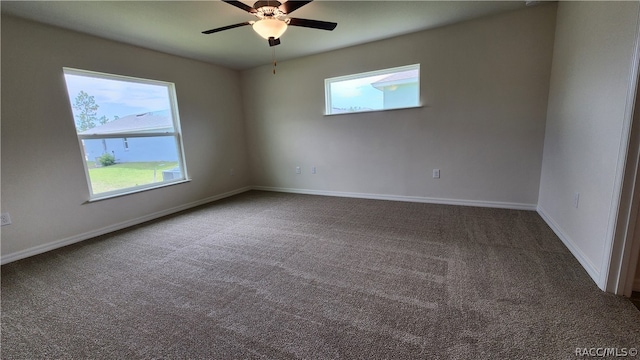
(268, 28)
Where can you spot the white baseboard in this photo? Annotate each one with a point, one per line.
(571, 245)
(107, 229)
(444, 201)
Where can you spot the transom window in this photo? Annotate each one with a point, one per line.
(385, 89)
(129, 132)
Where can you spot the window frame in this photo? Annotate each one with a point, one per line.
(126, 136)
(329, 81)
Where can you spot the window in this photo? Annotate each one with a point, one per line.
(393, 88)
(129, 132)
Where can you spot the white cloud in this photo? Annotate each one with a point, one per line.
(108, 92)
(352, 88)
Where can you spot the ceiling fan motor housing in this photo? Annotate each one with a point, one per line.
(268, 8)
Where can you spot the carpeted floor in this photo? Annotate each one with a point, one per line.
(282, 276)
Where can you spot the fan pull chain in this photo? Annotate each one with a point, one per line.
(273, 57)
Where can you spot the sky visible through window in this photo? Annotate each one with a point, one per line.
(357, 94)
(118, 98)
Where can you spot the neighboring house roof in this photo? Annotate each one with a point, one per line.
(141, 123)
(404, 77)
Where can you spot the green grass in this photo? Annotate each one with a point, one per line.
(125, 175)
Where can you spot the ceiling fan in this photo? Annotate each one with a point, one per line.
(272, 21)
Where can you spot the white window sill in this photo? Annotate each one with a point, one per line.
(111, 195)
(372, 111)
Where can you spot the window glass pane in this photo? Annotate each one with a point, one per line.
(377, 90)
(111, 167)
(149, 122)
(128, 131)
(97, 101)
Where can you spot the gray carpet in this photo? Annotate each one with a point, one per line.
(281, 276)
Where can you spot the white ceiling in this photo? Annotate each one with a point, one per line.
(175, 26)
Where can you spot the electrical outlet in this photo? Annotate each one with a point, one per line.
(436, 173)
(313, 170)
(5, 219)
(298, 170)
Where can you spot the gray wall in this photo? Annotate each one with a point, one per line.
(484, 90)
(43, 182)
(587, 126)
